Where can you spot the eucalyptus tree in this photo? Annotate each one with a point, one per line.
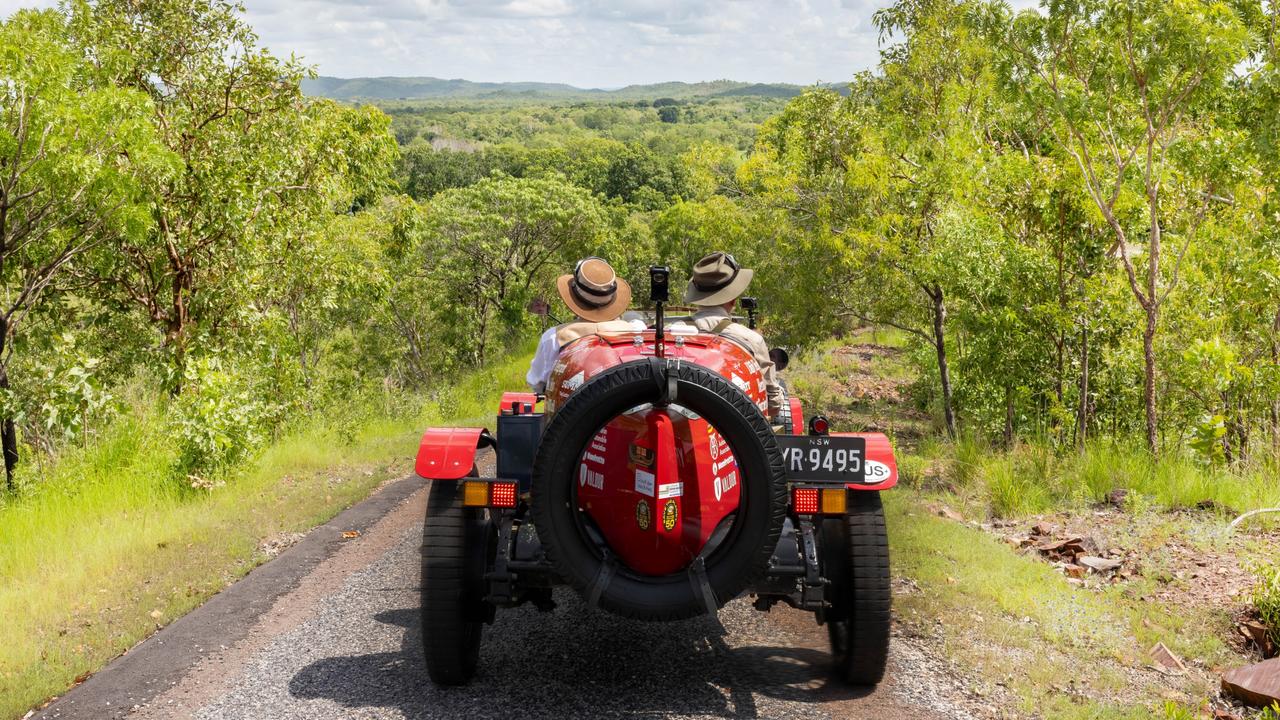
(1257, 270)
(251, 172)
(870, 176)
(494, 246)
(70, 156)
(1127, 86)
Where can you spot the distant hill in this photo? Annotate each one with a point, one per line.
(429, 88)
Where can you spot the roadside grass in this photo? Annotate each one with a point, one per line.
(1015, 623)
(1033, 478)
(109, 547)
(1025, 635)
(1085, 649)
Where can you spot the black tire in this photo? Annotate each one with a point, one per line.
(456, 543)
(856, 563)
(732, 566)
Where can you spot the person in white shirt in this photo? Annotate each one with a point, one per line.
(597, 297)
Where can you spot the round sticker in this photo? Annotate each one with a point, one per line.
(642, 515)
(670, 514)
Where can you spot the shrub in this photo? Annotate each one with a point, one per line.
(219, 419)
(1266, 598)
(68, 400)
(1178, 711)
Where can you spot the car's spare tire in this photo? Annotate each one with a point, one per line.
(731, 565)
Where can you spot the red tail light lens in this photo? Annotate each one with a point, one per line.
(819, 425)
(503, 495)
(805, 501)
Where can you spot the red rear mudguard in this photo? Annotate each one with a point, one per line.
(450, 453)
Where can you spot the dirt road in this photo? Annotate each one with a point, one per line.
(329, 629)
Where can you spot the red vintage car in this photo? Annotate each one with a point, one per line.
(652, 483)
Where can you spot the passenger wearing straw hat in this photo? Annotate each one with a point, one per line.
(714, 287)
(597, 296)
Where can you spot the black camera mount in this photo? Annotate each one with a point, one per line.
(659, 294)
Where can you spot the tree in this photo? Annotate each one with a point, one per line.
(870, 176)
(639, 176)
(669, 114)
(235, 116)
(492, 246)
(69, 155)
(1126, 86)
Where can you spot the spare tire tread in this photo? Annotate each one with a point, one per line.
(637, 382)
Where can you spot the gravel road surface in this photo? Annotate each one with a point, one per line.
(329, 629)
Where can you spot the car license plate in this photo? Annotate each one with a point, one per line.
(822, 458)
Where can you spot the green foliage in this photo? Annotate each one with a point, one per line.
(972, 192)
(1266, 597)
(70, 396)
(493, 247)
(217, 422)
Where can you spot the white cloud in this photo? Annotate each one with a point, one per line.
(589, 43)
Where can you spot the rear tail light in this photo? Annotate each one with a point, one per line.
(475, 493)
(805, 501)
(819, 501)
(478, 493)
(833, 501)
(819, 425)
(504, 494)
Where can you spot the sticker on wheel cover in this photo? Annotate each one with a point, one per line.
(642, 515)
(670, 515)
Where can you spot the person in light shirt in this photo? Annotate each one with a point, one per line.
(715, 285)
(597, 297)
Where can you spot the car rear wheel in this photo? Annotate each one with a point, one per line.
(456, 543)
(856, 563)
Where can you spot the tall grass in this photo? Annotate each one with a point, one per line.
(108, 546)
(1033, 477)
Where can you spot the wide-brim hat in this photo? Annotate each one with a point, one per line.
(717, 279)
(593, 291)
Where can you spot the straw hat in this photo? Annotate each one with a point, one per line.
(594, 291)
(717, 279)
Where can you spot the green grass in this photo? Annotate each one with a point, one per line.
(108, 546)
(1034, 478)
(1013, 619)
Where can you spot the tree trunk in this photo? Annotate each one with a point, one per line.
(1275, 403)
(1152, 307)
(1059, 380)
(8, 430)
(175, 335)
(1082, 410)
(1008, 417)
(1149, 377)
(940, 344)
(1228, 438)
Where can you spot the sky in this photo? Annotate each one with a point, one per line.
(587, 43)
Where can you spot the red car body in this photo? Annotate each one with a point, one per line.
(656, 482)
